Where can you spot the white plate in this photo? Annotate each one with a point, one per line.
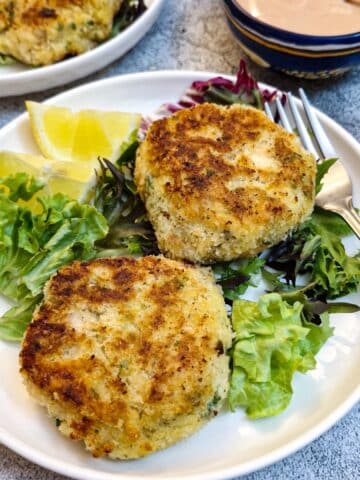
(230, 444)
(18, 79)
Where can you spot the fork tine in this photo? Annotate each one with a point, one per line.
(303, 133)
(283, 117)
(268, 111)
(324, 143)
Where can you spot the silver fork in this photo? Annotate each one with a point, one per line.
(336, 192)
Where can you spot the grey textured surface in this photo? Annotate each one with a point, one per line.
(189, 37)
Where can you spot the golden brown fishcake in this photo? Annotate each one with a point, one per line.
(129, 355)
(40, 32)
(222, 182)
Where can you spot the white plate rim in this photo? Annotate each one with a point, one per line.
(281, 452)
(251, 466)
(74, 68)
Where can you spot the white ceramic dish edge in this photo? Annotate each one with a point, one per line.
(87, 474)
(267, 459)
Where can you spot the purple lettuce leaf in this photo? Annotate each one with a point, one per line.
(220, 90)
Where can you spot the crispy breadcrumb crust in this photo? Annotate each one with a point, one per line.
(222, 182)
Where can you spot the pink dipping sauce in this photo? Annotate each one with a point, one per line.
(309, 17)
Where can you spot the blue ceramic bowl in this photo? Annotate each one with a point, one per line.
(300, 55)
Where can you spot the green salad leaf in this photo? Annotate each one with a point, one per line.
(316, 249)
(331, 222)
(130, 232)
(6, 60)
(272, 341)
(331, 269)
(20, 186)
(14, 322)
(312, 307)
(33, 246)
(322, 168)
(235, 277)
(129, 11)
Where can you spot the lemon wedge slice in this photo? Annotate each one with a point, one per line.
(75, 179)
(83, 136)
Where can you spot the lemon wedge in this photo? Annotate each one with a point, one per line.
(75, 179)
(83, 136)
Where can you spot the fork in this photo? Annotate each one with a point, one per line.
(336, 192)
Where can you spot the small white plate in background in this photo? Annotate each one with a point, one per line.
(18, 79)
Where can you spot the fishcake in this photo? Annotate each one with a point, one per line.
(41, 32)
(129, 355)
(222, 182)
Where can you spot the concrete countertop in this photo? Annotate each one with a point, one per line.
(196, 37)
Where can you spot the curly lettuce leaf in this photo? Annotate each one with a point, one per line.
(272, 342)
(20, 186)
(14, 322)
(33, 246)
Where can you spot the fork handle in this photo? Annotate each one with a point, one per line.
(349, 214)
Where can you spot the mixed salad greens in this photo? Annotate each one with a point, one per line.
(33, 246)
(273, 338)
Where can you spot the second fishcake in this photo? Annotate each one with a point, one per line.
(41, 32)
(129, 355)
(223, 182)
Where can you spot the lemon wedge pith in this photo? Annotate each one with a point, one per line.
(80, 136)
(77, 180)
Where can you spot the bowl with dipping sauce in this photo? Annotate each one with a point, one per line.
(305, 38)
